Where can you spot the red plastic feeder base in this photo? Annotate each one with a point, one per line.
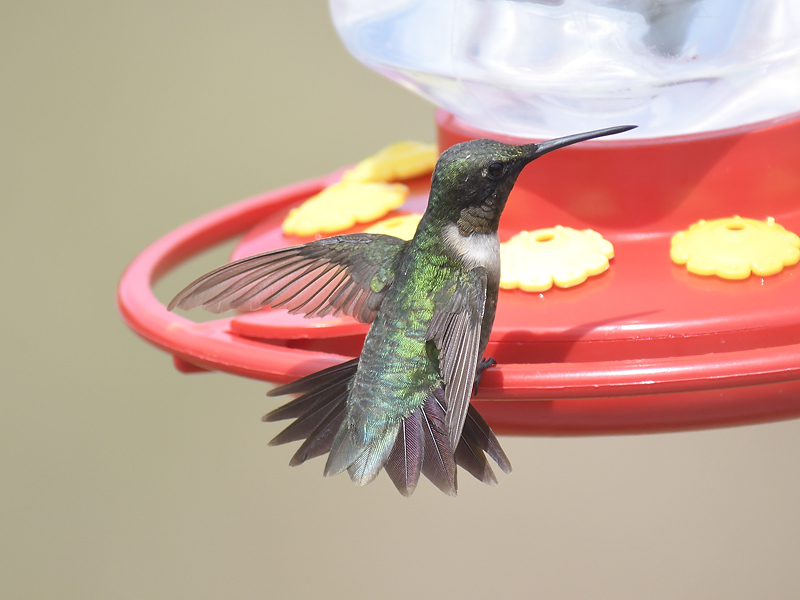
(644, 347)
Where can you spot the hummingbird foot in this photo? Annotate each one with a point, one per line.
(482, 365)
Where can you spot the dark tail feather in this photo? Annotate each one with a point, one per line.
(405, 460)
(478, 432)
(318, 388)
(297, 407)
(320, 440)
(473, 461)
(438, 463)
(469, 453)
(316, 414)
(319, 379)
(422, 444)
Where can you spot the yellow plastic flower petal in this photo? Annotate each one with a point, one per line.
(534, 260)
(403, 227)
(402, 160)
(733, 248)
(342, 205)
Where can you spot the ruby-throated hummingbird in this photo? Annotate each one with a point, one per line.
(404, 404)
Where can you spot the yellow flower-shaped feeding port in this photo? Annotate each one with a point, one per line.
(403, 227)
(342, 205)
(733, 248)
(403, 160)
(365, 193)
(535, 260)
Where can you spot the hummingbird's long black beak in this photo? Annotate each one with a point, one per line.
(541, 148)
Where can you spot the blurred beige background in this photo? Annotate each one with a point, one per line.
(123, 479)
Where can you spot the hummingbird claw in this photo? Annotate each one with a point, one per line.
(484, 364)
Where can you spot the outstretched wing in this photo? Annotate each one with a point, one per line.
(346, 274)
(456, 330)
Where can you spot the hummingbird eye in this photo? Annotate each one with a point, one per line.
(495, 170)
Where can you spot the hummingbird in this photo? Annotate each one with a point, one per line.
(404, 404)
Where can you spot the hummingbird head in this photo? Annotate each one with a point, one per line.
(472, 180)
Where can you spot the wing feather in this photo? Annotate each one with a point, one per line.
(456, 330)
(346, 274)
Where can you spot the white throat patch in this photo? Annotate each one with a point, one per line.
(474, 250)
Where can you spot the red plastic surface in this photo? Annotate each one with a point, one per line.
(644, 347)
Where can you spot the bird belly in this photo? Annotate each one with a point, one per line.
(395, 372)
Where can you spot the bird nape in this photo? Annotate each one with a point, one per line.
(404, 404)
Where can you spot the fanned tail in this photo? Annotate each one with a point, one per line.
(318, 412)
(420, 441)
